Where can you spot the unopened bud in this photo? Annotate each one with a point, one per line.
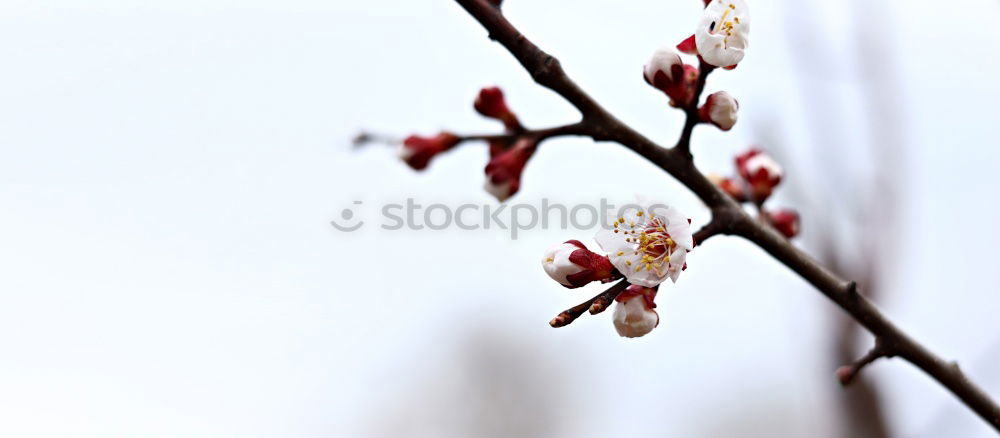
(572, 265)
(720, 110)
(634, 315)
(503, 172)
(786, 221)
(761, 173)
(491, 103)
(667, 73)
(418, 151)
(733, 187)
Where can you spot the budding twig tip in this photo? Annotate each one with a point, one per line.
(560, 320)
(845, 374)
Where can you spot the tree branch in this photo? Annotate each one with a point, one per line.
(602, 126)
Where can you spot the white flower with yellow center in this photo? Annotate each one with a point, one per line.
(648, 244)
(722, 34)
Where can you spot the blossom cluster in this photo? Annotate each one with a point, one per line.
(508, 156)
(758, 174)
(645, 245)
(720, 40)
(650, 244)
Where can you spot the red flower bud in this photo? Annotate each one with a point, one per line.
(503, 172)
(418, 151)
(573, 265)
(785, 221)
(667, 73)
(491, 103)
(634, 315)
(733, 187)
(761, 173)
(720, 110)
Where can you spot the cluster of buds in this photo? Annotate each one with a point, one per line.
(646, 245)
(719, 41)
(507, 156)
(758, 175)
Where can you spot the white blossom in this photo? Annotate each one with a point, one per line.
(648, 244)
(722, 33)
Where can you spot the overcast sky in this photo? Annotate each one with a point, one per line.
(169, 169)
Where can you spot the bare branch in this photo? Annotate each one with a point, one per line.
(602, 126)
(365, 137)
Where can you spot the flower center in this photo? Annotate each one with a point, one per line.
(653, 245)
(725, 27)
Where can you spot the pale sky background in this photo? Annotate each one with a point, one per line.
(168, 171)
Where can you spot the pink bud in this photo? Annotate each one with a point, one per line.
(418, 151)
(761, 173)
(667, 73)
(845, 374)
(491, 103)
(634, 315)
(786, 221)
(503, 172)
(573, 265)
(733, 187)
(720, 110)
(688, 46)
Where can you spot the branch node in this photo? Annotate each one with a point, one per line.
(852, 288)
(847, 373)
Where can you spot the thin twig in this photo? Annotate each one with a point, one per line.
(692, 118)
(569, 315)
(600, 125)
(847, 373)
(366, 137)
